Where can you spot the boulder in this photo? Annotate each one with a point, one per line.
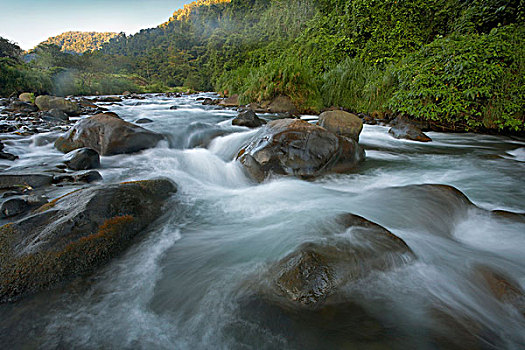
(341, 123)
(57, 114)
(282, 104)
(232, 101)
(27, 97)
(82, 159)
(16, 180)
(295, 147)
(75, 234)
(45, 103)
(402, 129)
(108, 135)
(126, 94)
(248, 119)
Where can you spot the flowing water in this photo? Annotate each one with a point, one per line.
(179, 286)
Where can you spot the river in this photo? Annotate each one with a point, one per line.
(179, 287)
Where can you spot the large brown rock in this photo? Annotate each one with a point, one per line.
(342, 123)
(295, 147)
(108, 135)
(45, 103)
(232, 101)
(282, 104)
(76, 233)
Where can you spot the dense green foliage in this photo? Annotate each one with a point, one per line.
(80, 42)
(458, 64)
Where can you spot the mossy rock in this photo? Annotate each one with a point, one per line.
(75, 234)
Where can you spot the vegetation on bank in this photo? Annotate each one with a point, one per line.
(457, 64)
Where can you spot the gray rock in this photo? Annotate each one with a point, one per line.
(248, 119)
(16, 180)
(82, 159)
(144, 121)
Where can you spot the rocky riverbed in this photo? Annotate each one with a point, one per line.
(164, 221)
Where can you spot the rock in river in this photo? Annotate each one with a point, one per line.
(248, 119)
(402, 129)
(309, 290)
(108, 135)
(82, 159)
(295, 147)
(76, 233)
(342, 123)
(46, 103)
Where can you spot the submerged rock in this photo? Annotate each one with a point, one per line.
(248, 119)
(86, 177)
(21, 107)
(307, 292)
(75, 234)
(342, 123)
(108, 135)
(82, 159)
(46, 103)
(295, 147)
(143, 121)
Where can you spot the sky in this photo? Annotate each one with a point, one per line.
(29, 22)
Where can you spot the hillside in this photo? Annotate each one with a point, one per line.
(80, 42)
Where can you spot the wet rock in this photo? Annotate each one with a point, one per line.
(8, 156)
(297, 148)
(21, 107)
(143, 121)
(342, 123)
(75, 234)
(402, 129)
(15, 180)
(248, 119)
(232, 101)
(83, 177)
(82, 159)
(209, 101)
(27, 97)
(109, 99)
(108, 135)
(18, 205)
(174, 108)
(57, 114)
(282, 104)
(502, 287)
(46, 103)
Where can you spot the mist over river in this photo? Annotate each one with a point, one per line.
(185, 282)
